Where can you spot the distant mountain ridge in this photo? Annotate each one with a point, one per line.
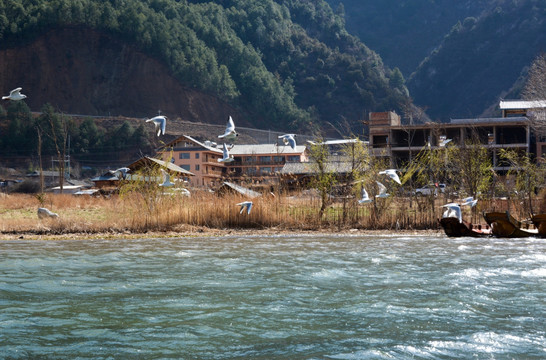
(459, 57)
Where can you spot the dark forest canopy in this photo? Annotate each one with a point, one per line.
(289, 62)
(459, 57)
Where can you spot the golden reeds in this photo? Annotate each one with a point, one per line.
(132, 213)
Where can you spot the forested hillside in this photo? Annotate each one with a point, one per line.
(481, 61)
(282, 64)
(404, 32)
(459, 57)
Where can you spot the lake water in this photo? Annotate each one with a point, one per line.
(274, 297)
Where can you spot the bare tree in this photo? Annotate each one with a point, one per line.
(324, 179)
(535, 89)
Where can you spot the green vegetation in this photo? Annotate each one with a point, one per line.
(289, 62)
(19, 133)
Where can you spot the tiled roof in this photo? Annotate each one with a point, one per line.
(266, 149)
(172, 167)
(522, 104)
(241, 190)
(302, 168)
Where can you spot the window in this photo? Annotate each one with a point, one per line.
(185, 167)
(197, 167)
(293, 158)
(197, 155)
(184, 155)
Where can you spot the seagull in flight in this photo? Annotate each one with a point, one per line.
(166, 179)
(121, 173)
(230, 134)
(382, 191)
(364, 197)
(470, 201)
(392, 174)
(245, 205)
(160, 122)
(289, 139)
(226, 158)
(444, 142)
(453, 210)
(15, 95)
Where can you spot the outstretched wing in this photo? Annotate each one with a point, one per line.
(230, 127)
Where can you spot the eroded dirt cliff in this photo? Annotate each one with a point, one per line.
(82, 71)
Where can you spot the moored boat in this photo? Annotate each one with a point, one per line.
(540, 223)
(455, 228)
(454, 225)
(504, 225)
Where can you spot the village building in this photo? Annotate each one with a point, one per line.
(253, 163)
(390, 138)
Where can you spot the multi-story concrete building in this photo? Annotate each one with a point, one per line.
(390, 138)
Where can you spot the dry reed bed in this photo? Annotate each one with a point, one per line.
(134, 214)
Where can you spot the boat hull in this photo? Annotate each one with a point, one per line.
(454, 228)
(504, 225)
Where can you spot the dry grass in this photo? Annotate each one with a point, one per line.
(164, 213)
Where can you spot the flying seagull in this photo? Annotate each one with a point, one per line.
(121, 173)
(444, 142)
(45, 213)
(245, 205)
(453, 210)
(15, 95)
(289, 139)
(364, 197)
(226, 158)
(470, 201)
(392, 174)
(230, 134)
(160, 122)
(166, 179)
(382, 191)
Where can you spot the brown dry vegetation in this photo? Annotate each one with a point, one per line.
(205, 211)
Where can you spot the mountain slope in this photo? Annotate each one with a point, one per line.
(404, 32)
(481, 61)
(284, 64)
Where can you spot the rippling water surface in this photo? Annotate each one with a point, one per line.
(274, 297)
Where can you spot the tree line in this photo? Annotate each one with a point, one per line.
(24, 134)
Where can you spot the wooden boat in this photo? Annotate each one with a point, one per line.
(504, 225)
(540, 223)
(455, 228)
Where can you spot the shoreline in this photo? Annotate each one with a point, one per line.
(189, 232)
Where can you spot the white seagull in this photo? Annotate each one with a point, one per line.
(230, 134)
(166, 179)
(121, 173)
(470, 201)
(289, 139)
(160, 122)
(444, 142)
(364, 197)
(382, 191)
(245, 205)
(15, 95)
(226, 158)
(392, 174)
(45, 213)
(453, 210)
